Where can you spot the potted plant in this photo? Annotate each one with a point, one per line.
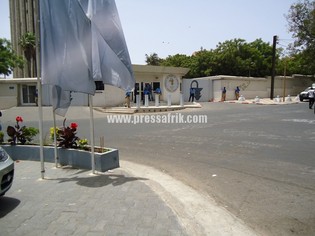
(71, 150)
(21, 134)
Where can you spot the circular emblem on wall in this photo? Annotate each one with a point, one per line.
(171, 83)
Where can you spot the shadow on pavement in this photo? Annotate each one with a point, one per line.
(7, 204)
(97, 181)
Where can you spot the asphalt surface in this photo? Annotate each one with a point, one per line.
(131, 200)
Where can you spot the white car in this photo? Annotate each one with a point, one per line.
(6, 171)
(304, 94)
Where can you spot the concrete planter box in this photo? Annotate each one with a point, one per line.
(73, 157)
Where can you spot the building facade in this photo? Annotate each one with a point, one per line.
(210, 88)
(22, 91)
(23, 20)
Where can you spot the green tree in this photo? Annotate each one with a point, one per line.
(301, 19)
(179, 60)
(202, 63)
(232, 57)
(8, 59)
(237, 57)
(261, 58)
(153, 59)
(28, 44)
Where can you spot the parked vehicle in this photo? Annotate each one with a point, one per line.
(6, 171)
(304, 94)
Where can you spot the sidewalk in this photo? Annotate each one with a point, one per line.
(163, 107)
(75, 202)
(131, 200)
(267, 101)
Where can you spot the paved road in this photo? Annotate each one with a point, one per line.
(256, 161)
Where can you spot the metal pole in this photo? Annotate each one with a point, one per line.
(55, 139)
(39, 87)
(273, 70)
(92, 133)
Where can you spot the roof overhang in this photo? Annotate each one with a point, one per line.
(159, 70)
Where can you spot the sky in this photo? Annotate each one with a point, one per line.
(170, 27)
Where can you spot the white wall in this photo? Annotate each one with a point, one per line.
(211, 89)
(8, 95)
(111, 96)
(205, 84)
(250, 87)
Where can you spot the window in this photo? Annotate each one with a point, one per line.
(28, 94)
(99, 85)
(156, 85)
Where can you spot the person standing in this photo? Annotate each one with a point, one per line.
(128, 99)
(311, 98)
(237, 92)
(192, 94)
(223, 94)
(36, 97)
(150, 92)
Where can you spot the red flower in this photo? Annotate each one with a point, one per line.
(73, 125)
(19, 119)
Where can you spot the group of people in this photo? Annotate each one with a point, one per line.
(237, 94)
(223, 98)
(147, 91)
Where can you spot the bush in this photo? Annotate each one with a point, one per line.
(21, 134)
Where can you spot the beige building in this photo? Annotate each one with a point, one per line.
(21, 92)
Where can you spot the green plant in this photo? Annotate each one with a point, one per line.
(29, 133)
(1, 137)
(21, 134)
(52, 133)
(67, 136)
(83, 143)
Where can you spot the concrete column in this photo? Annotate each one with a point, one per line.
(169, 99)
(146, 100)
(157, 100)
(138, 101)
(181, 99)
